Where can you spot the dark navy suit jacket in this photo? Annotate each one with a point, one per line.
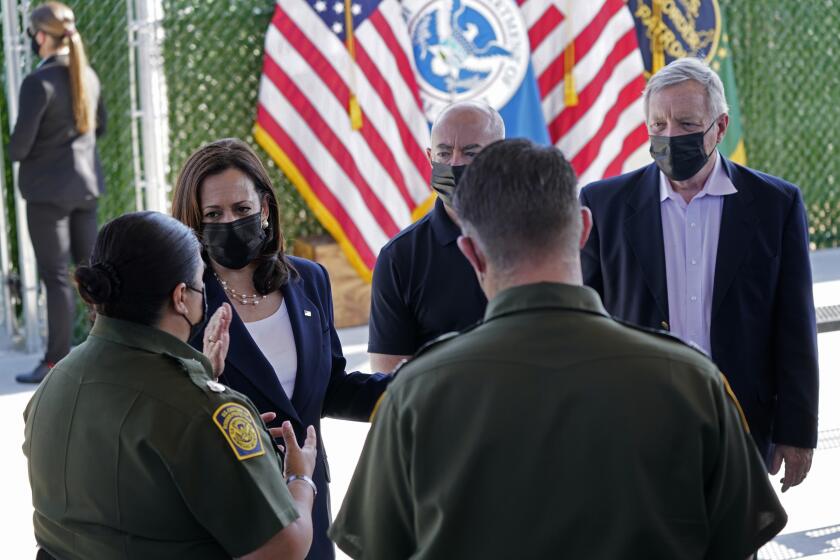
(322, 387)
(763, 328)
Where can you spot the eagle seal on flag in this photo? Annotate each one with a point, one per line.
(467, 49)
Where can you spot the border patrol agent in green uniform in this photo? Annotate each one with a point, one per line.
(134, 450)
(551, 430)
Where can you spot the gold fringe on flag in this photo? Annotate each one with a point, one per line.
(570, 97)
(657, 48)
(354, 110)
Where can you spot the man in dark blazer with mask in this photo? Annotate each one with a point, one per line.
(716, 253)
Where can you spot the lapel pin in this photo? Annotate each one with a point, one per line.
(307, 313)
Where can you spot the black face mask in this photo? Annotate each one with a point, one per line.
(445, 178)
(195, 329)
(33, 44)
(235, 244)
(680, 157)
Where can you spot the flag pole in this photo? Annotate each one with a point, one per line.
(570, 97)
(353, 108)
(657, 47)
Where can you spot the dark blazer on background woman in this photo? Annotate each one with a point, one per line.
(57, 164)
(322, 387)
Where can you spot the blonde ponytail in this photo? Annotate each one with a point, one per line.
(58, 22)
(78, 66)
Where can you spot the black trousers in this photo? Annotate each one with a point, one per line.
(61, 231)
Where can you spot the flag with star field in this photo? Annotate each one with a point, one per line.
(365, 176)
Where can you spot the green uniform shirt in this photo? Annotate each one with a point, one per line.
(134, 452)
(553, 431)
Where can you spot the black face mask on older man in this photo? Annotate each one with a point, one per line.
(445, 179)
(680, 157)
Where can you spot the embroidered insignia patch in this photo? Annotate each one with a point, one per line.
(237, 424)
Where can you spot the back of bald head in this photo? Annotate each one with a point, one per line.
(472, 112)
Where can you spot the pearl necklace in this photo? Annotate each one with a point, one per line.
(244, 299)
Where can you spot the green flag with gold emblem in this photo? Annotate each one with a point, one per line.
(670, 29)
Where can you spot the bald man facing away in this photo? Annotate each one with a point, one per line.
(423, 287)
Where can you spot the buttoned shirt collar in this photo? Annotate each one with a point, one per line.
(717, 183)
(545, 295)
(151, 339)
(446, 231)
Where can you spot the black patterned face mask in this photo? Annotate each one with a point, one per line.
(33, 43)
(234, 244)
(445, 178)
(680, 157)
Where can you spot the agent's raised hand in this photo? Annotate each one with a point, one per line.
(217, 338)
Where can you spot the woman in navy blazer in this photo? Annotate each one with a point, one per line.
(224, 193)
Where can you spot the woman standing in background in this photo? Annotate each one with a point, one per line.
(60, 117)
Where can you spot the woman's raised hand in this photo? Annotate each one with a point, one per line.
(217, 338)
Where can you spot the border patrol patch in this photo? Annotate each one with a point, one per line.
(237, 424)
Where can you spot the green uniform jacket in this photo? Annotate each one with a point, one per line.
(553, 431)
(134, 452)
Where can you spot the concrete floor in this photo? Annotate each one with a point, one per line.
(813, 530)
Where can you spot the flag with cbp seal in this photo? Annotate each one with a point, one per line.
(671, 29)
(476, 50)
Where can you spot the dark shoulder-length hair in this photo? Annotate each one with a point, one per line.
(273, 268)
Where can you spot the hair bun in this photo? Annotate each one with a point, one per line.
(98, 283)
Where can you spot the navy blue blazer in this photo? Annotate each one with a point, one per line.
(322, 387)
(763, 327)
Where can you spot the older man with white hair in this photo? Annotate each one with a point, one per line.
(423, 287)
(716, 253)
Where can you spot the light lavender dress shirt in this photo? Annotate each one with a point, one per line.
(690, 232)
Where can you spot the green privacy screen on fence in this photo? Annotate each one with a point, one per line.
(213, 59)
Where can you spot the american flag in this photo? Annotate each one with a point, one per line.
(363, 184)
(604, 134)
(366, 184)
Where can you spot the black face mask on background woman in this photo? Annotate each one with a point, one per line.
(680, 157)
(33, 43)
(234, 244)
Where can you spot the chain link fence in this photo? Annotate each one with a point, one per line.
(783, 52)
(785, 56)
(213, 55)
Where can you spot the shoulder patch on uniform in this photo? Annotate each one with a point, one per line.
(240, 430)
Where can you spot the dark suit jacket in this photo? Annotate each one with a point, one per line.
(322, 387)
(57, 164)
(763, 328)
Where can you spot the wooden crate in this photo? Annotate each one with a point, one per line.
(351, 294)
